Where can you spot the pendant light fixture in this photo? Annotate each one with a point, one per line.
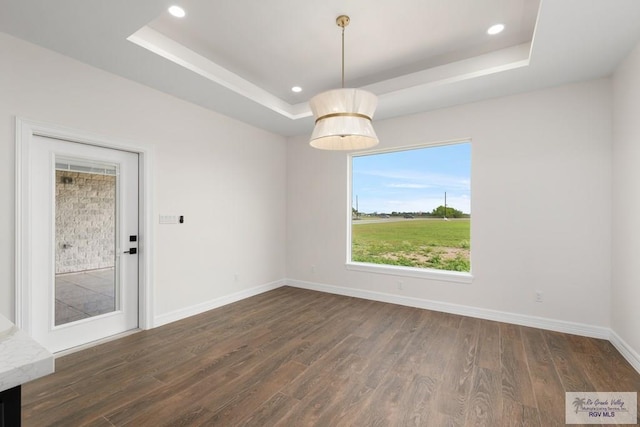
(343, 116)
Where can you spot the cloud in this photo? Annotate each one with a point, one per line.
(408, 185)
(418, 179)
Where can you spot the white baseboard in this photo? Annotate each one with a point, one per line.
(625, 349)
(183, 313)
(463, 310)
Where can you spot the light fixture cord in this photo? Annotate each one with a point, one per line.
(343, 57)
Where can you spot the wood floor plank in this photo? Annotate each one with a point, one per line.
(434, 353)
(321, 344)
(319, 399)
(381, 324)
(485, 400)
(416, 401)
(123, 373)
(420, 349)
(99, 422)
(463, 357)
(340, 363)
(256, 369)
(276, 408)
(347, 402)
(583, 345)
(489, 345)
(547, 386)
(620, 370)
(191, 416)
(385, 359)
(294, 357)
(515, 378)
(160, 404)
(334, 362)
(352, 367)
(516, 415)
(453, 393)
(384, 404)
(566, 364)
(251, 398)
(437, 418)
(226, 353)
(83, 410)
(610, 373)
(47, 398)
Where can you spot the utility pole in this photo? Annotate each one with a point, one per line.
(445, 205)
(357, 210)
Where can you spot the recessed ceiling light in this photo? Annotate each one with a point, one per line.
(495, 29)
(296, 89)
(177, 11)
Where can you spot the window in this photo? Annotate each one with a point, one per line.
(411, 208)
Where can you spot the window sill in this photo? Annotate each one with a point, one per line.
(422, 273)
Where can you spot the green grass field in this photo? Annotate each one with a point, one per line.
(431, 243)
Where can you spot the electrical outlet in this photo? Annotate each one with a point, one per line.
(236, 277)
(313, 268)
(538, 296)
(400, 285)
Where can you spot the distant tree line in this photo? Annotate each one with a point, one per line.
(438, 212)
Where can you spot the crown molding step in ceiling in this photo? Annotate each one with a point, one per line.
(242, 58)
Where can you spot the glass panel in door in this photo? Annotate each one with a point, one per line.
(85, 240)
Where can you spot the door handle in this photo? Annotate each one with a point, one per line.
(131, 251)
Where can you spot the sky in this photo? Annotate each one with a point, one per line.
(413, 180)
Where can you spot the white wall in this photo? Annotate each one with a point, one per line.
(541, 183)
(227, 178)
(626, 202)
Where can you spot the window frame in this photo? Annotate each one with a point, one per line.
(397, 270)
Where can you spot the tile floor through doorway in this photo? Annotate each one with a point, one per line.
(84, 294)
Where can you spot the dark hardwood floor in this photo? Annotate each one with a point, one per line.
(293, 357)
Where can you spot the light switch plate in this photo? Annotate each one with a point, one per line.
(168, 219)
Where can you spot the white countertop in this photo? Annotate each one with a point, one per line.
(21, 358)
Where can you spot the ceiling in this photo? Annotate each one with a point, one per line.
(241, 57)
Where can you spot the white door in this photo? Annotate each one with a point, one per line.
(83, 207)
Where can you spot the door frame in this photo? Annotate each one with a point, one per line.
(25, 130)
